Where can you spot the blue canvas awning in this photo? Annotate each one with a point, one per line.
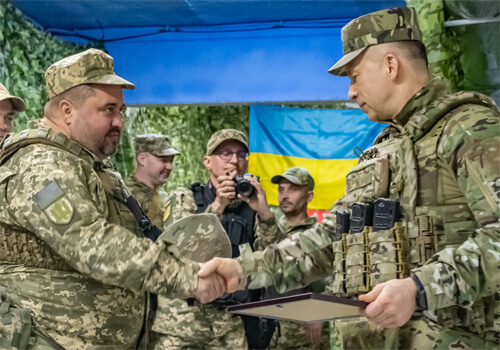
(213, 51)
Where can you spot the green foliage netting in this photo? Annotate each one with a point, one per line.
(189, 128)
(25, 54)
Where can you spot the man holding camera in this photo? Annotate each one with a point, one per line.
(240, 203)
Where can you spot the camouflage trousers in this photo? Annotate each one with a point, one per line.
(180, 326)
(291, 335)
(418, 333)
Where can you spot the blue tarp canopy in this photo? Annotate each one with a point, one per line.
(213, 51)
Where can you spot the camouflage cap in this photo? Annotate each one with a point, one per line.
(381, 27)
(156, 144)
(223, 135)
(89, 67)
(17, 104)
(199, 237)
(296, 175)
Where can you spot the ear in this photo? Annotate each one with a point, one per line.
(310, 196)
(141, 158)
(207, 162)
(67, 111)
(392, 66)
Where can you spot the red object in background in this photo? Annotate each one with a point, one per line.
(320, 214)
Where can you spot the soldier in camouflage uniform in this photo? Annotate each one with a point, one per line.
(295, 191)
(432, 276)
(9, 105)
(154, 156)
(75, 267)
(181, 323)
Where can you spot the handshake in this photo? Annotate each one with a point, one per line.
(216, 277)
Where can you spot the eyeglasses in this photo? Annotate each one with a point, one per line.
(227, 155)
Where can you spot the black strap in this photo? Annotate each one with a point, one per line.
(148, 229)
(199, 197)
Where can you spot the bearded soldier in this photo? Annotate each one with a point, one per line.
(75, 264)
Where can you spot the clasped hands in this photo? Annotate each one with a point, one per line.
(216, 277)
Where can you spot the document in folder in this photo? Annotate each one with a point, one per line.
(304, 308)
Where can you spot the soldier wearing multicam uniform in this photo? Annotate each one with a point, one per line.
(180, 323)
(9, 105)
(295, 191)
(432, 278)
(75, 266)
(154, 157)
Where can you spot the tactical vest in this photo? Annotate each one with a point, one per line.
(19, 246)
(238, 221)
(397, 167)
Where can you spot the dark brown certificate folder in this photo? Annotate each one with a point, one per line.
(307, 307)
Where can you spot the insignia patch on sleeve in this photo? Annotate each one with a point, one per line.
(54, 204)
(168, 210)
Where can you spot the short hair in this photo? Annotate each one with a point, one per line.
(76, 95)
(414, 52)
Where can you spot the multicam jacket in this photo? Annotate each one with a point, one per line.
(152, 202)
(440, 160)
(71, 251)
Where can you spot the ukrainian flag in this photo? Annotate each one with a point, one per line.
(320, 140)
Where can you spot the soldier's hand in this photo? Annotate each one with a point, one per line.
(210, 287)
(225, 191)
(258, 201)
(391, 303)
(229, 269)
(313, 332)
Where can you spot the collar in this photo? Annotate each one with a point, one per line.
(307, 222)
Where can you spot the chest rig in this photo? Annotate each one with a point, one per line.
(397, 180)
(19, 246)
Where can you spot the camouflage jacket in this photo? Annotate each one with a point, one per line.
(66, 254)
(152, 202)
(456, 188)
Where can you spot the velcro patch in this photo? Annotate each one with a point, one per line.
(54, 204)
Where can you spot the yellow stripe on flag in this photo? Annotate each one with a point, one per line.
(329, 176)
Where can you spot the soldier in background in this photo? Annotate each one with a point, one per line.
(183, 323)
(295, 191)
(75, 266)
(155, 157)
(9, 105)
(429, 259)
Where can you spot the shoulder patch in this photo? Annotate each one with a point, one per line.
(168, 209)
(55, 205)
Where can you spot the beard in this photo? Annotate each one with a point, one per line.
(111, 142)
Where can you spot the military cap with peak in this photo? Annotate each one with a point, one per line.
(89, 67)
(17, 104)
(381, 27)
(156, 144)
(296, 175)
(223, 135)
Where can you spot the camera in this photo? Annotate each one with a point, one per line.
(243, 186)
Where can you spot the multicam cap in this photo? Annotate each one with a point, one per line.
(156, 144)
(199, 237)
(89, 67)
(17, 103)
(296, 175)
(226, 134)
(385, 26)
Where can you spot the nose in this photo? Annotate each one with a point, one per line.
(169, 166)
(117, 121)
(234, 158)
(353, 92)
(3, 124)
